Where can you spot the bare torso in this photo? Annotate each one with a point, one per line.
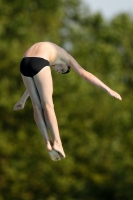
(49, 51)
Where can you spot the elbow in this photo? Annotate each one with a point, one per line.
(82, 73)
(85, 75)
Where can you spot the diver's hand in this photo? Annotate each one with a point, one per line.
(114, 94)
(19, 105)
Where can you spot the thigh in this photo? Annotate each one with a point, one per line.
(31, 87)
(44, 84)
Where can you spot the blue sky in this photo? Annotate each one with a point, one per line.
(110, 8)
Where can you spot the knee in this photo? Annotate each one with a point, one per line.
(37, 107)
(47, 106)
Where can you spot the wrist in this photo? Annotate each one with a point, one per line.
(22, 100)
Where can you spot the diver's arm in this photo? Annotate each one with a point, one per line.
(91, 78)
(21, 103)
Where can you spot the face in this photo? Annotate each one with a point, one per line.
(60, 68)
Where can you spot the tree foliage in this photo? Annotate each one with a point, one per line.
(96, 130)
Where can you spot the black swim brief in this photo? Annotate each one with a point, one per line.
(30, 66)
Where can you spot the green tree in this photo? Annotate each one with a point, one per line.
(96, 130)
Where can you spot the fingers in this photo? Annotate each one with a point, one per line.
(118, 96)
(18, 107)
(115, 94)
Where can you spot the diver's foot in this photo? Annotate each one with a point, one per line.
(52, 153)
(59, 149)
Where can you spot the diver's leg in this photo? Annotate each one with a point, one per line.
(38, 114)
(44, 84)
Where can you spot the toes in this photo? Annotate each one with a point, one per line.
(60, 152)
(58, 158)
(61, 155)
(54, 155)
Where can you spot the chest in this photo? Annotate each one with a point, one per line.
(60, 62)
